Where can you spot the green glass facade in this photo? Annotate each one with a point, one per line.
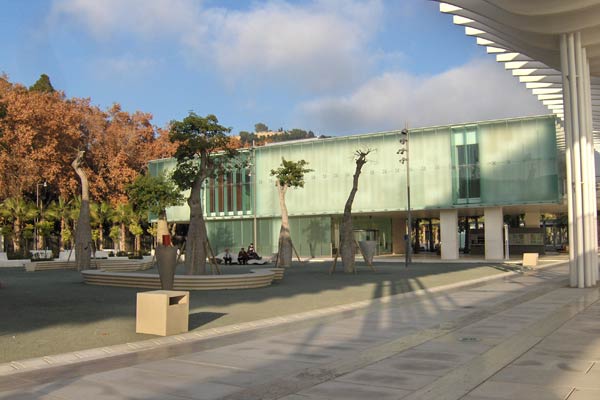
(491, 163)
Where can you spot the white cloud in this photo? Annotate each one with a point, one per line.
(318, 46)
(147, 18)
(128, 65)
(478, 90)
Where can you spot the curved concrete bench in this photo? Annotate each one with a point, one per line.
(49, 265)
(123, 265)
(107, 265)
(255, 279)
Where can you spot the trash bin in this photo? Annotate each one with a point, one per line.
(162, 312)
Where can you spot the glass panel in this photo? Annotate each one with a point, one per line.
(211, 195)
(229, 195)
(466, 158)
(238, 191)
(247, 189)
(220, 194)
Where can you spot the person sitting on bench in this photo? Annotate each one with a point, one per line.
(253, 255)
(242, 257)
(227, 257)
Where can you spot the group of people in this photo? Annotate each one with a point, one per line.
(243, 255)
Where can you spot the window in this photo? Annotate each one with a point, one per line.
(467, 183)
(229, 192)
(238, 191)
(229, 183)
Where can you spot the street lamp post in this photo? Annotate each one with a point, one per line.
(38, 205)
(253, 189)
(404, 151)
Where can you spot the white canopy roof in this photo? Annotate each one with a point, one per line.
(525, 36)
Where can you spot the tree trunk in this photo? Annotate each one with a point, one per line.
(285, 240)
(83, 232)
(347, 242)
(17, 239)
(61, 243)
(195, 252)
(122, 237)
(101, 236)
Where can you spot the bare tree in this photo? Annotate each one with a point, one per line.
(347, 242)
(83, 232)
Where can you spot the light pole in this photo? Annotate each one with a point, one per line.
(404, 151)
(37, 204)
(253, 189)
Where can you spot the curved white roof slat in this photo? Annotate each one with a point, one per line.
(524, 35)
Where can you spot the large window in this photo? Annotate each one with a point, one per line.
(229, 193)
(467, 183)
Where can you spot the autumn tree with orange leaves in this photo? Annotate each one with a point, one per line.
(42, 132)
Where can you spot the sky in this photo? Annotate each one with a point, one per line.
(336, 67)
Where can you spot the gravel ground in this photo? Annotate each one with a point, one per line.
(51, 312)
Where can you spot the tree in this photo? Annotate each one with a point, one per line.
(121, 216)
(260, 127)
(40, 133)
(198, 140)
(101, 213)
(42, 85)
(289, 174)
(122, 143)
(83, 232)
(136, 229)
(347, 242)
(17, 212)
(152, 195)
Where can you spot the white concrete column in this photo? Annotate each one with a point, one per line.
(449, 234)
(532, 219)
(493, 225)
(582, 199)
(592, 168)
(398, 232)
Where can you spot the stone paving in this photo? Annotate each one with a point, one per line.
(523, 336)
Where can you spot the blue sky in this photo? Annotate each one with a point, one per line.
(332, 66)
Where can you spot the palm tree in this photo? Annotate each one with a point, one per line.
(101, 213)
(17, 211)
(121, 217)
(136, 229)
(61, 210)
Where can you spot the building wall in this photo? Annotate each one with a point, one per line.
(513, 161)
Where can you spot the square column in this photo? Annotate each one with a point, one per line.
(449, 234)
(398, 232)
(494, 245)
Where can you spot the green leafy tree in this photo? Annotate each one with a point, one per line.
(115, 234)
(101, 213)
(260, 127)
(43, 84)
(152, 195)
(60, 210)
(198, 140)
(289, 174)
(18, 212)
(121, 217)
(44, 228)
(136, 229)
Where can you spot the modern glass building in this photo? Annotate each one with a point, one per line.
(466, 172)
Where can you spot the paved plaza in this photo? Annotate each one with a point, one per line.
(521, 336)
